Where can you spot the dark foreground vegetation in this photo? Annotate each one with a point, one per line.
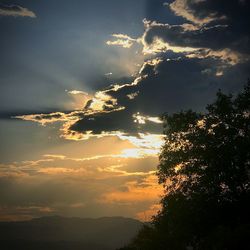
(205, 169)
(59, 233)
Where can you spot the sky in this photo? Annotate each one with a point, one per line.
(83, 85)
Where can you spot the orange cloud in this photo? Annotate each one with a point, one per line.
(149, 190)
(149, 213)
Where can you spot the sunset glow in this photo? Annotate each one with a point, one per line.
(84, 89)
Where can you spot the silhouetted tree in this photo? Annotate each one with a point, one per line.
(205, 169)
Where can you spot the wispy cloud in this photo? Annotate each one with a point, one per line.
(141, 119)
(209, 32)
(15, 11)
(184, 9)
(147, 215)
(134, 192)
(78, 185)
(77, 92)
(122, 40)
(103, 116)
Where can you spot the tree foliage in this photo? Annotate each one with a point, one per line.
(205, 169)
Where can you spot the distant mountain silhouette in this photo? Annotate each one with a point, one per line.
(62, 233)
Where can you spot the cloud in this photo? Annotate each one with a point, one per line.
(149, 213)
(204, 42)
(135, 191)
(20, 213)
(54, 156)
(233, 14)
(77, 92)
(227, 56)
(43, 119)
(138, 118)
(129, 162)
(206, 11)
(15, 11)
(106, 115)
(132, 96)
(122, 40)
(187, 10)
(159, 88)
(185, 65)
(214, 29)
(86, 187)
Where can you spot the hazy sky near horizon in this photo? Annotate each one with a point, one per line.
(82, 85)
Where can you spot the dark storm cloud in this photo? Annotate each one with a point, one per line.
(233, 11)
(167, 86)
(184, 83)
(176, 35)
(109, 179)
(163, 85)
(15, 10)
(177, 80)
(118, 121)
(155, 11)
(215, 25)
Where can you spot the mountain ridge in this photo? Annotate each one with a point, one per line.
(103, 233)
